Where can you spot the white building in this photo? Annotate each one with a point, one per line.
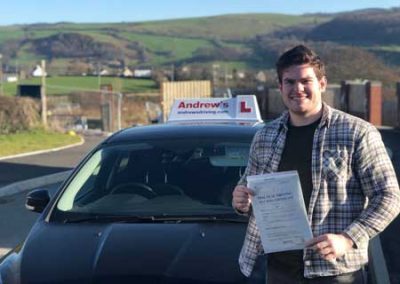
(104, 72)
(127, 72)
(10, 78)
(38, 72)
(142, 73)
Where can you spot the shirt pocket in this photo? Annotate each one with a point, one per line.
(334, 164)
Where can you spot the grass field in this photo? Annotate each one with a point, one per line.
(10, 33)
(34, 141)
(166, 48)
(67, 84)
(390, 48)
(227, 27)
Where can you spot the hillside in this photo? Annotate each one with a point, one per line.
(374, 27)
(146, 43)
(375, 30)
(235, 42)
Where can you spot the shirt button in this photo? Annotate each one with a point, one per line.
(307, 262)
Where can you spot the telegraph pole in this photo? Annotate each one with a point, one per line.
(1, 75)
(119, 111)
(98, 75)
(43, 97)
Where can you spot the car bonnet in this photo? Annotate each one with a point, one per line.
(168, 252)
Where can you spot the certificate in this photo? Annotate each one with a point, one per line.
(279, 209)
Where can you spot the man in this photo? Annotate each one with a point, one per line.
(348, 182)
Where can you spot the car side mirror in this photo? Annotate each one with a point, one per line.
(37, 200)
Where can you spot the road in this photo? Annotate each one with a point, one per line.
(15, 220)
(23, 168)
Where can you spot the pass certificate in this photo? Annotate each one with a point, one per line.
(279, 209)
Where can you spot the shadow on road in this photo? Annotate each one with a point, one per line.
(12, 172)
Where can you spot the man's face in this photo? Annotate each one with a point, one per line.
(301, 90)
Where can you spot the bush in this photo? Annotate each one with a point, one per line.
(18, 114)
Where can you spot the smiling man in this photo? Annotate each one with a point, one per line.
(348, 182)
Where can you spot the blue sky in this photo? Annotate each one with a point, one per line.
(98, 11)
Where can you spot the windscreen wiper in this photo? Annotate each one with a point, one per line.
(201, 218)
(156, 218)
(109, 219)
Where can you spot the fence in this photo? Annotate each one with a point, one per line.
(102, 110)
(110, 111)
(363, 99)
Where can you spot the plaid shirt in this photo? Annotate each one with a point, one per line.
(355, 190)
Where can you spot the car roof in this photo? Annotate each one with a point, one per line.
(194, 129)
(185, 130)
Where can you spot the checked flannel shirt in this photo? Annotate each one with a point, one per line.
(355, 190)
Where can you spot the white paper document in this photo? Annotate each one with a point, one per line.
(279, 209)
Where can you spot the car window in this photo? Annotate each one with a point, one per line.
(175, 177)
(81, 181)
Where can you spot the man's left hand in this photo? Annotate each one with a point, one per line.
(331, 246)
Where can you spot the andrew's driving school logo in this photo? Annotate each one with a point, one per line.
(242, 107)
(198, 104)
(203, 108)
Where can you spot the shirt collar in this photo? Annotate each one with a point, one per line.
(325, 120)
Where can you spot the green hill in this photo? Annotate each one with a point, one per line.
(248, 42)
(144, 43)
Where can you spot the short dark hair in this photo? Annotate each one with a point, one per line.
(300, 55)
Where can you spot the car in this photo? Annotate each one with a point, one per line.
(152, 204)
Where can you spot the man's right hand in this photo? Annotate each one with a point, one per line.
(241, 198)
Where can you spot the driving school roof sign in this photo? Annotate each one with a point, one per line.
(240, 108)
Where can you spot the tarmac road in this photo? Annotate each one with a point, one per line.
(23, 168)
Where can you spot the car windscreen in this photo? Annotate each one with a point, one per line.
(186, 177)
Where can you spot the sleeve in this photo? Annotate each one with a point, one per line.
(251, 168)
(253, 164)
(379, 183)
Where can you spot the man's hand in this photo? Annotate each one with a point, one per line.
(331, 246)
(241, 198)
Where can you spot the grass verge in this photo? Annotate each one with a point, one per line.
(35, 140)
(61, 85)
